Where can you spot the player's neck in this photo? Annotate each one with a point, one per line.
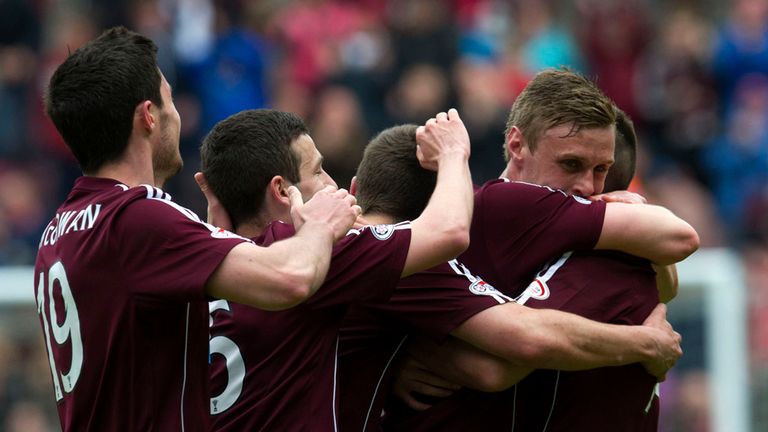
(250, 229)
(133, 168)
(256, 226)
(126, 174)
(378, 219)
(510, 173)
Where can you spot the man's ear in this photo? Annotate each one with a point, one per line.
(277, 190)
(515, 143)
(144, 115)
(353, 186)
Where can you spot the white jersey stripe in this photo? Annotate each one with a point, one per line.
(184, 377)
(554, 398)
(514, 406)
(540, 282)
(497, 295)
(333, 400)
(381, 377)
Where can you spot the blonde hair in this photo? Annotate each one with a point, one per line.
(556, 97)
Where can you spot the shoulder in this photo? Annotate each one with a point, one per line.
(153, 200)
(150, 210)
(519, 191)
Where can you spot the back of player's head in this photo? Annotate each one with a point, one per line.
(625, 154)
(557, 97)
(390, 180)
(93, 94)
(243, 152)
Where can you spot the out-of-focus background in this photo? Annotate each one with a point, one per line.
(692, 74)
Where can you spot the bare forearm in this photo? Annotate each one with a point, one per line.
(466, 365)
(309, 254)
(569, 342)
(277, 277)
(441, 232)
(552, 339)
(647, 231)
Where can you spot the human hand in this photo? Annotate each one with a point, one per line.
(414, 377)
(332, 207)
(360, 222)
(667, 340)
(441, 135)
(620, 196)
(217, 214)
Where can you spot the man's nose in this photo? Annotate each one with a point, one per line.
(585, 186)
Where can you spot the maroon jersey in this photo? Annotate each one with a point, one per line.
(119, 284)
(516, 228)
(276, 371)
(433, 303)
(604, 286)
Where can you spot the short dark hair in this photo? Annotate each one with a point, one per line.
(390, 180)
(625, 154)
(242, 153)
(93, 94)
(557, 97)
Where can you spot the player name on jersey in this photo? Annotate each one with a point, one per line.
(69, 221)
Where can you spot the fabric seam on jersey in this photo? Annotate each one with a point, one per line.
(333, 400)
(554, 398)
(514, 407)
(184, 376)
(381, 377)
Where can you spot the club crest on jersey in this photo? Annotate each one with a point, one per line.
(581, 200)
(537, 290)
(382, 232)
(221, 233)
(481, 287)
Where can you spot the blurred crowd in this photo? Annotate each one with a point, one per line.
(693, 75)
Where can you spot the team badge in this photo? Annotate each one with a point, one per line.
(481, 287)
(537, 290)
(581, 200)
(221, 233)
(382, 232)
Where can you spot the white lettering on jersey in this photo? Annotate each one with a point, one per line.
(69, 221)
(538, 288)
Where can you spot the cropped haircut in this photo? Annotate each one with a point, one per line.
(557, 97)
(625, 154)
(243, 152)
(390, 180)
(92, 95)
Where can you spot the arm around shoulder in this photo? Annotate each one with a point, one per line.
(276, 277)
(647, 231)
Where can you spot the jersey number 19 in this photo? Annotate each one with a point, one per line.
(62, 329)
